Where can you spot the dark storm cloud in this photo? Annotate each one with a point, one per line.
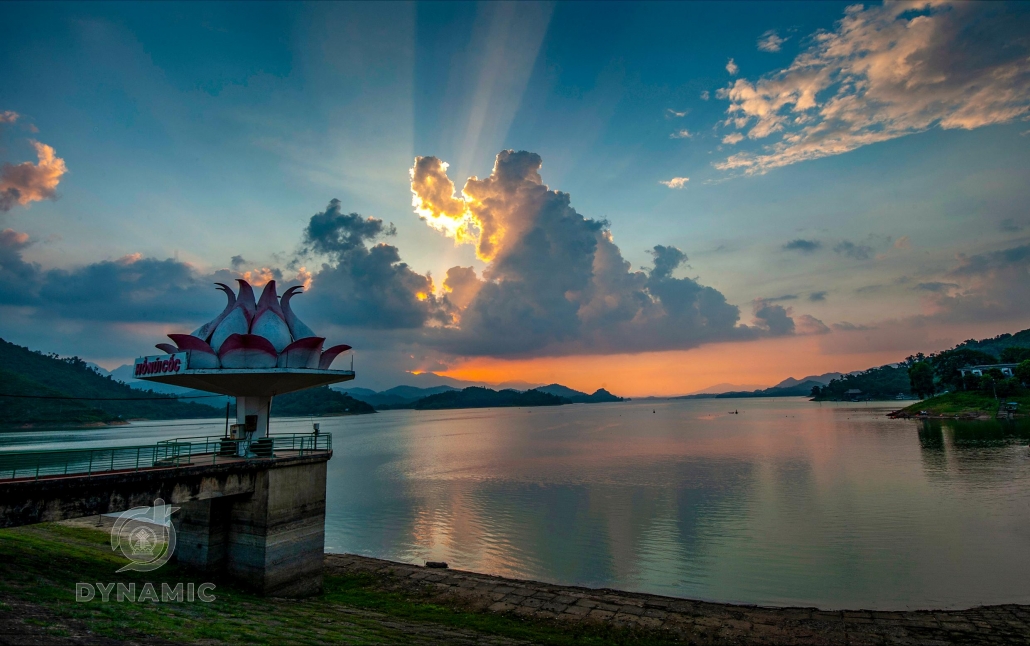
(238, 261)
(363, 286)
(804, 246)
(817, 296)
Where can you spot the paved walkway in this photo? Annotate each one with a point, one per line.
(694, 621)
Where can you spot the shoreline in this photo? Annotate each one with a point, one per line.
(687, 619)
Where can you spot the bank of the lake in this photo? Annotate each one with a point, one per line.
(368, 601)
(965, 404)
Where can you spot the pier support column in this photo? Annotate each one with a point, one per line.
(271, 541)
(276, 538)
(201, 530)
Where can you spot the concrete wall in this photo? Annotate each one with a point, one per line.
(271, 540)
(261, 522)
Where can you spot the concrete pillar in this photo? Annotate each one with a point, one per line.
(255, 406)
(201, 530)
(277, 536)
(271, 540)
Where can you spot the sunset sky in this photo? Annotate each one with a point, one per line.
(653, 198)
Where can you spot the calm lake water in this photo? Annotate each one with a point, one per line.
(787, 503)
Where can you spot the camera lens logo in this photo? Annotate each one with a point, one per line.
(145, 536)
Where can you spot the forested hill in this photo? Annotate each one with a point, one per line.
(476, 397)
(34, 374)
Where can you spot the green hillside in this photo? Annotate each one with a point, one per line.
(317, 402)
(34, 375)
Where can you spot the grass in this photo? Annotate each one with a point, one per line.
(968, 403)
(41, 564)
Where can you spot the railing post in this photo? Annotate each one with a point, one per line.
(37, 469)
(89, 470)
(137, 458)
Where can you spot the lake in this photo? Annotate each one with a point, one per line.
(789, 502)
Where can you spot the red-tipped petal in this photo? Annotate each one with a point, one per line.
(167, 347)
(330, 354)
(190, 342)
(247, 351)
(302, 353)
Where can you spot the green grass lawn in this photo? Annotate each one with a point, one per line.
(41, 564)
(968, 403)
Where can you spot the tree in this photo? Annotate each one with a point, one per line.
(1015, 354)
(1022, 372)
(946, 364)
(920, 376)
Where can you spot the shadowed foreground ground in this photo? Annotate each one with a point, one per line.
(370, 601)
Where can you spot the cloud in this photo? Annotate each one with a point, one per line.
(773, 318)
(991, 286)
(816, 297)
(733, 138)
(844, 326)
(681, 134)
(1010, 225)
(9, 116)
(771, 41)
(852, 250)
(27, 182)
(886, 72)
(705, 95)
(903, 243)
(19, 280)
(238, 261)
(556, 283)
(807, 324)
(671, 114)
(785, 297)
(362, 285)
(804, 246)
(936, 286)
(675, 182)
(732, 68)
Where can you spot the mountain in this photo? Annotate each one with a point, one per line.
(44, 381)
(396, 397)
(802, 389)
(477, 397)
(824, 379)
(561, 391)
(715, 389)
(318, 402)
(577, 397)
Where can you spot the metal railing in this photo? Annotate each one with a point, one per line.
(179, 452)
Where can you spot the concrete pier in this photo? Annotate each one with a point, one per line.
(258, 521)
(270, 540)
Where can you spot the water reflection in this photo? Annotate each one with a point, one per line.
(789, 502)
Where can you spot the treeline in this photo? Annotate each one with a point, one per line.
(885, 382)
(316, 402)
(477, 397)
(34, 388)
(925, 375)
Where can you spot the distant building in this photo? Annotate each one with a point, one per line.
(1006, 369)
(853, 394)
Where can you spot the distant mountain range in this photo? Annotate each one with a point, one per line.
(473, 397)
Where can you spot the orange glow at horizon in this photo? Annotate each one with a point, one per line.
(677, 372)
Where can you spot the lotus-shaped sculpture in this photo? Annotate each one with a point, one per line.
(250, 334)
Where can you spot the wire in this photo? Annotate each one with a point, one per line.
(111, 399)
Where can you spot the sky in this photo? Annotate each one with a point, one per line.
(648, 197)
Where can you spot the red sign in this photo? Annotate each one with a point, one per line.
(169, 364)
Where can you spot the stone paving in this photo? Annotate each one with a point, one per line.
(693, 621)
